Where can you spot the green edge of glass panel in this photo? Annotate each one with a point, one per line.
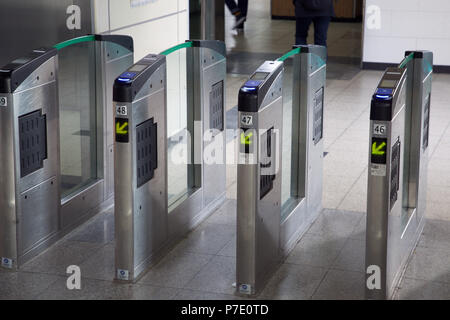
(70, 42)
(406, 60)
(290, 54)
(177, 47)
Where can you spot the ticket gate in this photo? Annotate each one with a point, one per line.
(398, 159)
(147, 223)
(33, 214)
(269, 224)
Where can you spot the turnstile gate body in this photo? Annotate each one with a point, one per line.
(396, 199)
(260, 115)
(269, 221)
(384, 200)
(140, 158)
(147, 224)
(29, 171)
(34, 213)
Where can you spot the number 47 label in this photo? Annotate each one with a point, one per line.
(379, 129)
(246, 120)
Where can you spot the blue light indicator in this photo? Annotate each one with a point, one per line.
(253, 83)
(248, 89)
(123, 79)
(382, 97)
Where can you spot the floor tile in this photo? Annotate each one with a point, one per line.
(316, 250)
(436, 234)
(101, 265)
(106, 290)
(293, 282)
(226, 214)
(57, 258)
(413, 289)
(341, 285)
(209, 238)
(100, 229)
(24, 285)
(176, 269)
(217, 276)
(335, 223)
(429, 264)
(352, 256)
(229, 250)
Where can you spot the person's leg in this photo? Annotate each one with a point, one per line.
(301, 32)
(243, 6)
(232, 6)
(321, 25)
(242, 16)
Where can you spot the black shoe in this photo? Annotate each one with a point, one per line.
(239, 25)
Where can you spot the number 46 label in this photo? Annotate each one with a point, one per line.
(379, 129)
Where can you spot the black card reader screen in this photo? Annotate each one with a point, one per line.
(137, 68)
(259, 75)
(388, 83)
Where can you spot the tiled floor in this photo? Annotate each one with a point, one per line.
(328, 262)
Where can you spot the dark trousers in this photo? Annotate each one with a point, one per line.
(320, 30)
(242, 6)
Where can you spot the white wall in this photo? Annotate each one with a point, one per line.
(393, 26)
(155, 25)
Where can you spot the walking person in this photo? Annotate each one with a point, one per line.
(239, 11)
(318, 12)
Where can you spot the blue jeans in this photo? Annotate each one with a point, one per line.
(320, 30)
(242, 6)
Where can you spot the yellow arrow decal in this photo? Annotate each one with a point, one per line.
(120, 129)
(245, 139)
(377, 150)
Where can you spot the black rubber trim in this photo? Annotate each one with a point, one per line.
(248, 101)
(251, 101)
(417, 54)
(124, 41)
(13, 74)
(216, 45)
(381, 110)
(127, 91)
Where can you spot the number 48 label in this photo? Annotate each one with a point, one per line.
(379, 129)
(121, 111)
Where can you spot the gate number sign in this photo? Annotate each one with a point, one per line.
(121, 111)
(379, 129)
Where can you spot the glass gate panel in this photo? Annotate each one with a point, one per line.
(78, 117)
(178, 137)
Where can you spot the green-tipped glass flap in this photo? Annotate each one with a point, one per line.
(406, 60)
(70, 42)
(177, 47)
(290, 54)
